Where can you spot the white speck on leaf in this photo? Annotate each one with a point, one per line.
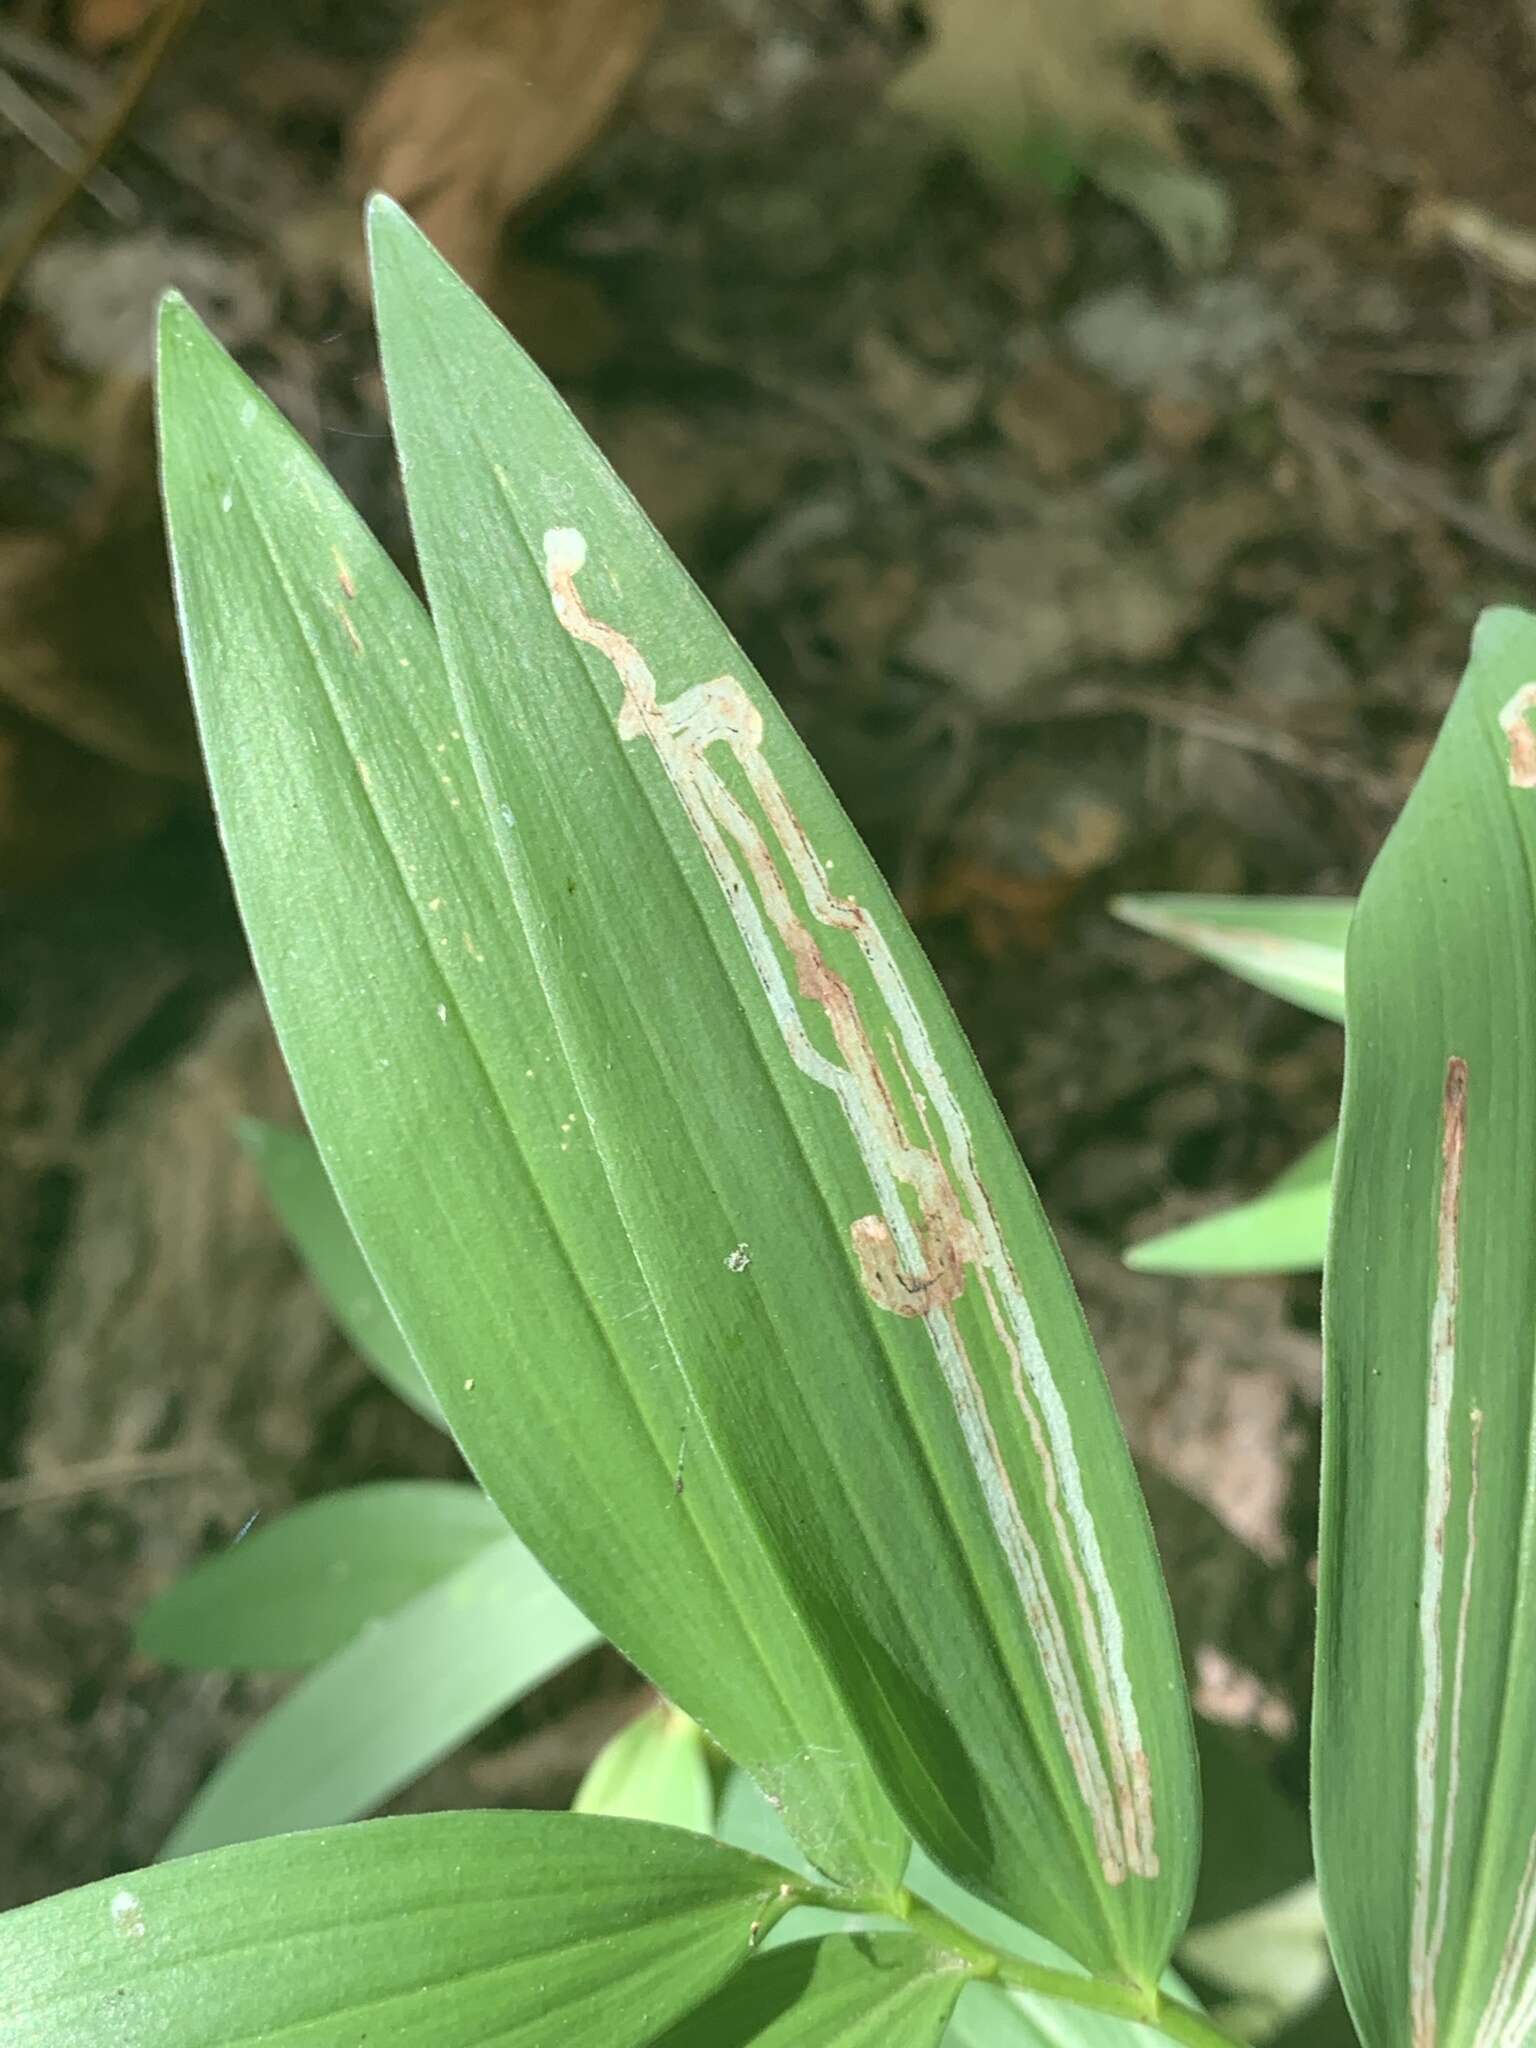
(469, 1386)
(442, 1013)
(227, 502)
(565, 552)
(248, 413)
(127, 1915)
(738, 1260)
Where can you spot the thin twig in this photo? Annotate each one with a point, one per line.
(36, 125)
(1225, 728)
(154, 47)
(1396, 478)
(38, 58)
(102, 1475)
(872, 442)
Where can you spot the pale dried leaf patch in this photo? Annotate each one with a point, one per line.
(996, 70)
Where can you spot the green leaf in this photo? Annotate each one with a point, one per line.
(655, 1769)
(465, 1930)
(792, 1173)
(430, 1071)
(840, 1991)
(296, 1184)
(290, 1593)
(503, 925)
(988, 2015)
(744, 1818)
(1424, 1798)
(1291, 945)
(395, 1700)
(1284, 1230)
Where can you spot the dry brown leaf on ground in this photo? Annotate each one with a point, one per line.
(98, 25)
(489, 101)
(997, 73)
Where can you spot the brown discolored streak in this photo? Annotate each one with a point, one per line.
(1437, 1733)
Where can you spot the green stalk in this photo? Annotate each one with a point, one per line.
(1180, 2022)
(1147, 2008)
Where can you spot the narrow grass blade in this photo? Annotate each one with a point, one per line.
(464, 1930)
(655, 1769)
(304, 1585)
(1291, 946)
(398, 1698)
(841, 1991)
(296, 1181)
(1424, 1797)
(840, 1284)
(1284, 1230)
(409, 1011)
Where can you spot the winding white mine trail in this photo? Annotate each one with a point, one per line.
(933, 1233)
(1509, 2017)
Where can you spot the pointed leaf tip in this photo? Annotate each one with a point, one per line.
(380, 208)
(176, 321)
(182, 334)
(388, 226)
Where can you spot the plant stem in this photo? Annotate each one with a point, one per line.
(1180, 2022)
(1122, 2000)
(1129, 2002)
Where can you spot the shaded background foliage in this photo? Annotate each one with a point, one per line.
(1081, 568)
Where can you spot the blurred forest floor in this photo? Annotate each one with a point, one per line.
(1081, 568)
